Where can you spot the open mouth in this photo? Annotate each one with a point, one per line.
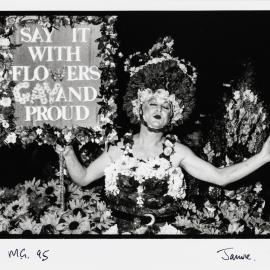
(157, 116)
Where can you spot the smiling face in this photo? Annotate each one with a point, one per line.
(156, 112)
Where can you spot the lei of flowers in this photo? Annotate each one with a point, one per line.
(141, 170)
(147, 94)
(108, 52)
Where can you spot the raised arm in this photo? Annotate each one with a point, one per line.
(205, 171)
(82, 175)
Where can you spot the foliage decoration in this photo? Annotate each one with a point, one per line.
(108, 53)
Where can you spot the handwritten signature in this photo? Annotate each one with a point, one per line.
(229, 254)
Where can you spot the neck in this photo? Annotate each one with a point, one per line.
(147, 137)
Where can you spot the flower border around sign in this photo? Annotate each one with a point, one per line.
(108, 47)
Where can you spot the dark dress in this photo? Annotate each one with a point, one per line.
(138, 187)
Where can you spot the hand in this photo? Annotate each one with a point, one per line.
(266, 149)
(67, 150)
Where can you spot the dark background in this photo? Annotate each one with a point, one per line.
(217, 43)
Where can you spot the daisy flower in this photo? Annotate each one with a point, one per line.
(183, 221)
(79, 206)
(74, 225)
(90, 196)
(27, 226)
(235, 227)
(102, 216)
(17, 208)
(50, 222)
(4, 224)
(31, 186)
(51, 189)
(74, 191)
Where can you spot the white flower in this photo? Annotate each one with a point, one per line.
(74, 224)
(51, 218)
(209, 206)
(39, 131)
(57, 133)
(167, 151)
(5, 124)
(170, 44)
(68, 136)
(168, 143)
(112, 136)
(176, 183)
(142, 172)
(235, 228)
(4, 42)
(236, 95)
(97, 129)
(111, 180)
(11, 138)
(5, 101)
(28, 224)
(258, 187)
(4, 223)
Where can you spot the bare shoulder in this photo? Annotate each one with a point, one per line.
(181, 148)
(114, 151)
(181, 151)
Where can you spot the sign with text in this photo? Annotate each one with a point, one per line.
(57, 76)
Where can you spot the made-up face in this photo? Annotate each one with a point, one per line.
(156, 112)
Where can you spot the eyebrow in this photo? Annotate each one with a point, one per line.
(154, 100)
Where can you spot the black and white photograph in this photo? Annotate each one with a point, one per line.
(134, 124)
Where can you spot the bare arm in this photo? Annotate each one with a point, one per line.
(82, 175)
(205, 171)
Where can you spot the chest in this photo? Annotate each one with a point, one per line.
(146, 153)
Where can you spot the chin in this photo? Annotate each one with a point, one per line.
(157, 126)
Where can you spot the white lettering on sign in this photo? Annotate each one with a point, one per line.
(54, 113)
(57, 75)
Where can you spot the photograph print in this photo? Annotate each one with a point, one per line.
(134, 123)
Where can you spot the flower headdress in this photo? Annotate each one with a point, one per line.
(158, 73)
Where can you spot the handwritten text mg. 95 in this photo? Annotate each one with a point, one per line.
(22, 254)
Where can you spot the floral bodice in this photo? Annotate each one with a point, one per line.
(142, 186)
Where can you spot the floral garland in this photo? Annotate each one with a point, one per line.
(155, 169)
(108, 52)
